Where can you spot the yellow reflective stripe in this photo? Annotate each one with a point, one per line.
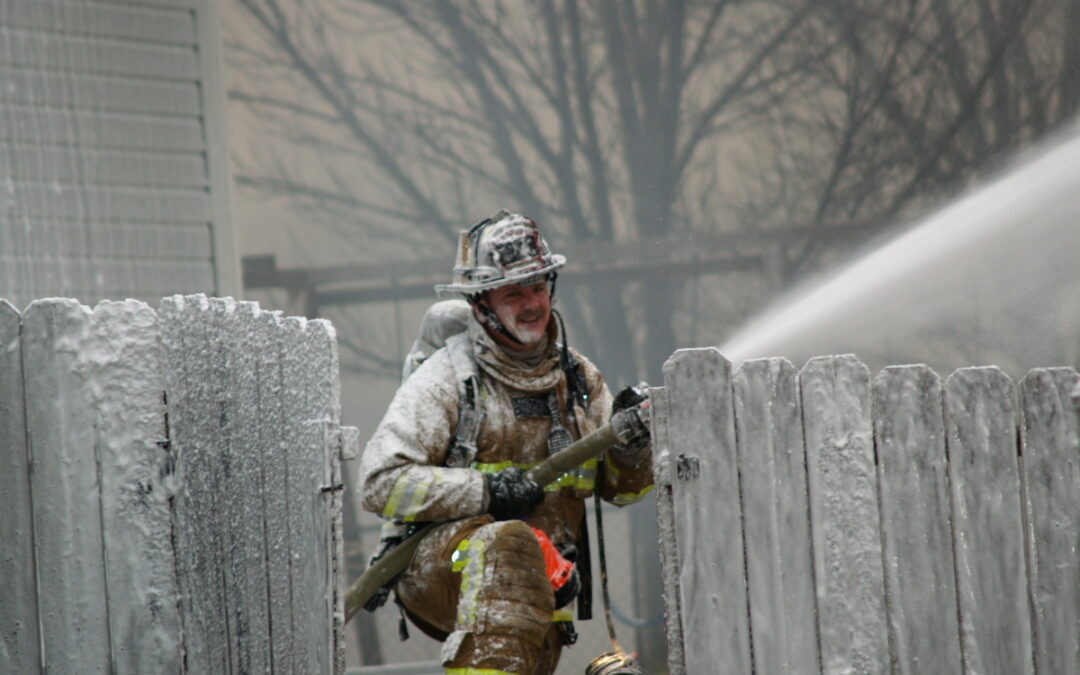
(471, 564)
(582, 478)
(495, 467)
(562, 615)
(461, 554)
(476, 671)
(408, 495)
(624, 498)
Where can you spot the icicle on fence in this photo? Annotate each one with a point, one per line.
(820, 521)
(170, 489)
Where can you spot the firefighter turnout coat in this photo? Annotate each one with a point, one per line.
(477, 584)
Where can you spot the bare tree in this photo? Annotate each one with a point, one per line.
(589, 117)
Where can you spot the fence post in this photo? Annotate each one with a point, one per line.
(709, 534)
(909, 430)
(772, 474)
(19, 647)
(844, 512)
(1051, 478)
(980, 427)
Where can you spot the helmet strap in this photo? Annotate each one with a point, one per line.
(489, 318)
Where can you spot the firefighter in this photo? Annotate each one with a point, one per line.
(493, 581)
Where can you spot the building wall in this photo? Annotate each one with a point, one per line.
(113, 180)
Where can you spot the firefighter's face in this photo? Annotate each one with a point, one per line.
(523, 310)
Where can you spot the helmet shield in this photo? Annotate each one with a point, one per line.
(504, 249)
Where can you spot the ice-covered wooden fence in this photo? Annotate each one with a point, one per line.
(169, 489)
(820, 521)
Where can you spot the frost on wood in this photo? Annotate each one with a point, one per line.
(67, 498)
(980, 428)
(708, 529)
(776, 518)
(1049, 428)
(18, 611)
(935, 547)
(910, 433)
(163, 447)
(844, 512)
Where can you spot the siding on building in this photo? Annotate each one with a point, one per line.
(113, 180)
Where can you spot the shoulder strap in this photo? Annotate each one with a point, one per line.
(470, 411)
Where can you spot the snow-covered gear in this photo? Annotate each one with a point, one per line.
(511, 495)
(406, 475)
(504, 249)
(441, 320)
(635, 448)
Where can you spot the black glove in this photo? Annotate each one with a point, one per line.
(511, 495)
(635, 446)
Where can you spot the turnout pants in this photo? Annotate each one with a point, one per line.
(479, 586)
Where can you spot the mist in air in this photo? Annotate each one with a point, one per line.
(991, 278)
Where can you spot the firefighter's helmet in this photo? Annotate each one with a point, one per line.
(504, 249)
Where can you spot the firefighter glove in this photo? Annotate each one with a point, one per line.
(631, 407)
(511, 494)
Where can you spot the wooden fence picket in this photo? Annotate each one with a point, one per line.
(170, 489)
(19, 651)
(302, 492)
(779, 560)
(275, 444)
(1049, 430)
(188, 365)
(123, 363)
(980, 427)
(66, 490)
(712, 577)
(917, 539)
(844, 512)
(242, 491)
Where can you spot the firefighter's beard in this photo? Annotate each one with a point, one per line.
(529, 327)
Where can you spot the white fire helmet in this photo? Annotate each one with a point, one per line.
(501, 250)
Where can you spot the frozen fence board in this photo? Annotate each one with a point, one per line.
(273, 440)
(66, 489)
(308, 524)
(18, 611)
(776, 518)
(663, 470)
(844, 511)
(1051, 473)
(980, 427)
(120, 362)
(913, 476)
(242, 554)
(188, 366)
(712, 581)
(249, 546)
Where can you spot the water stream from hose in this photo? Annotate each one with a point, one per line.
(993, 277)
